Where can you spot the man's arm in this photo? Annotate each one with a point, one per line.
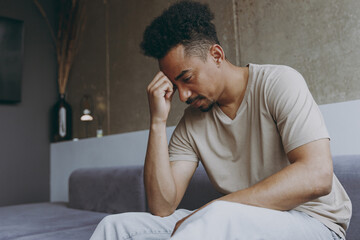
(308, 177)
(165, 182)
(310, 174)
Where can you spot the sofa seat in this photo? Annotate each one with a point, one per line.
(97, 192)
(47, 221)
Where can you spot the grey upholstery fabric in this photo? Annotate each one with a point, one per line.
(121, 189)
(46, 221)
(110, 190)
(347, 169)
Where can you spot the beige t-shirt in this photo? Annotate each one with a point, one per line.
(277, 115)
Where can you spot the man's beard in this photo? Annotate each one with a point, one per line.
(202, 108)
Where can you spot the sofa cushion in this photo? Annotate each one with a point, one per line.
(347, 169)
(109, 190)
(47, 221)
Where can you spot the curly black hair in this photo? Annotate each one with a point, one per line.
(187, 23)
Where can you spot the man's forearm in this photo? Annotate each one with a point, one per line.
(284, 190)
(281, 191)
(308, 177)
(159, 182)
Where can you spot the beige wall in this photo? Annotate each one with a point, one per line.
(318, 38)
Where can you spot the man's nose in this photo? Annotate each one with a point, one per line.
(184, 94)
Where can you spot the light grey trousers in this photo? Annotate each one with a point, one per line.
(219, 220)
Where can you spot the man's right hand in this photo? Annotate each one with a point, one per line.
(160, 92)
(165, 181)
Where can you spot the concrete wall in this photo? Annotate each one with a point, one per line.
(319, 38)
(316, 37)
(24, 127)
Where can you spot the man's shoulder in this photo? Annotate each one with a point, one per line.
(270, 75)
(273, 68)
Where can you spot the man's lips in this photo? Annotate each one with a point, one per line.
(196, 103)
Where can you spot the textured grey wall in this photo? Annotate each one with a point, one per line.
(24, 127)
(319, 38)
(316, 37)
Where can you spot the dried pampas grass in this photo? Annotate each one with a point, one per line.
(71, 26)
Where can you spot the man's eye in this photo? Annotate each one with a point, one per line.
(187, 79)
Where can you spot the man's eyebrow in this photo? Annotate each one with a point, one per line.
(181, 74)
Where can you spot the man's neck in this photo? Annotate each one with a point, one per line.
(236, 79)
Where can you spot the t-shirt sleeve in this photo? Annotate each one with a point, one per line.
(180, 145)
(297, 116)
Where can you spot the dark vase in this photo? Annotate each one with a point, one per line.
(62, 120)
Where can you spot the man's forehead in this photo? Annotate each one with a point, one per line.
(175, 75)
(175, 64)
(173, 70)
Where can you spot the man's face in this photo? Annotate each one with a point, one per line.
(196, 80)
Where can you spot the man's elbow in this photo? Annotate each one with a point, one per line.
(162, 212)
(323, 183)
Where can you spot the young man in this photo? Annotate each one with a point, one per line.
(256, 130)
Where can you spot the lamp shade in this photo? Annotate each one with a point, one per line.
(86, 106)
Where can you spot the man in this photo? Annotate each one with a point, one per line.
(256, 130)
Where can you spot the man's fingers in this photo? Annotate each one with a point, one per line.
(175, 228)
(163, 89)
(156, 79)
(159, 96)
(158, 83)
(169, 95)
(163, 85)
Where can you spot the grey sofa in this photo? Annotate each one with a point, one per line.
(95, 193)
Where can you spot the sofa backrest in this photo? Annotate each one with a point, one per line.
(199, 192)
(109, 190)
(121, 189)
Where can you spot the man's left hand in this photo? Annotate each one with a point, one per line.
(177, 225)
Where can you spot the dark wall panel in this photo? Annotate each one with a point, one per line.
(24, 127)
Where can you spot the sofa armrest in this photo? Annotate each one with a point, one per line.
(347, 169)
(110, 190)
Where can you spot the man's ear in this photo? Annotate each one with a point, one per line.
(217, 53)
